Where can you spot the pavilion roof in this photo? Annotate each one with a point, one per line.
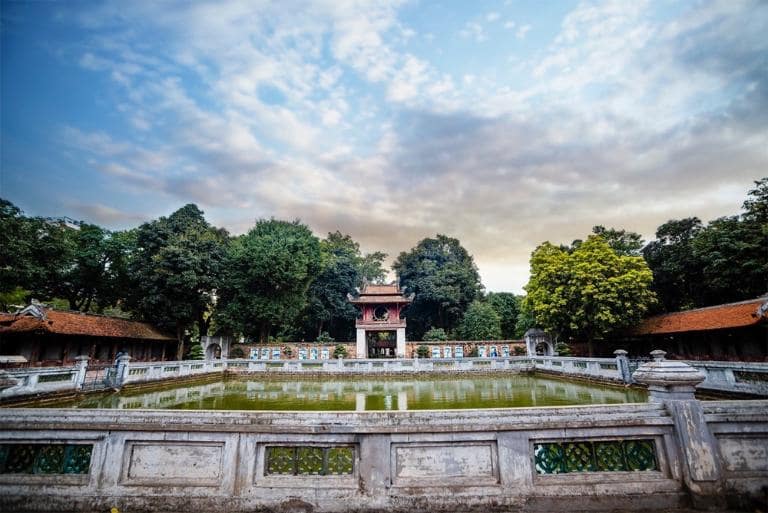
(731, 315)
(389, 293)
(38, 319)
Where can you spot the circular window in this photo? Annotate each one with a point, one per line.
(381, 313)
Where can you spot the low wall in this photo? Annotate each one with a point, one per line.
(722, 377)
(610, 457)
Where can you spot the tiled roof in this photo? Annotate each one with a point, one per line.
(731, 315)
(77, 323)
(381, 299)
(380, 290)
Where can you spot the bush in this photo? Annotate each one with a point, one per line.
(325, 338)
(288, 351)
(423, 351)
(237, 352)
(519, 351)
(562, 349)
(340, 351)
(435, 334)
(196, 352)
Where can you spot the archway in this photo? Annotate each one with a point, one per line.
(213, 352)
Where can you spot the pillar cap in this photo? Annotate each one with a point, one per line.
(620, 352)
(82, 358)
(667, 373)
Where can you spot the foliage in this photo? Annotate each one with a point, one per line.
(481, 322)
(237, 352)
(343, 269)
(588, 293)
(525, 320)
(267, 273)
(519, 350)
(325, 338)
(175, 270)
(563, 349)
(196, 352)
(507, 306)
(423, 351)
(435, 334)
(695, 265)
(445, 280)
(621, 241)
(340, 351)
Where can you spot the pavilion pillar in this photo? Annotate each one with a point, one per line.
(362, 351)
(400, 351)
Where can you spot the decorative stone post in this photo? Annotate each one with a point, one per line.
(122, 369)
(674, 383)
(622, 363)
(82, 369)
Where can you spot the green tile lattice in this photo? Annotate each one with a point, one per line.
(309, 461)
(595, 456)
(45, 458)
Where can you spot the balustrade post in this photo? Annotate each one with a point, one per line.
(673, 383)
(622, 363)
(82, 369)
(123, 363)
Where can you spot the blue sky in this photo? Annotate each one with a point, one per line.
(501, 123)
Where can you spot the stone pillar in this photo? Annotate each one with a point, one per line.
(400, 350)
(122, 370)
(622, 363)
(362, 351)
(82, 369)
(674, 383)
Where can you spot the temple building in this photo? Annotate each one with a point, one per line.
(381, 323)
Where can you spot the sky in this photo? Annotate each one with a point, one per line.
(503, 124)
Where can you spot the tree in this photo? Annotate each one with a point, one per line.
(196, 352)
(267, 274)
(481, 322)
(588, 293)
(19, 262)
(175, 270)
(445, 280)
(435, 334)
(343, 269)
(621, 241)
(507, 306)
(677, 271)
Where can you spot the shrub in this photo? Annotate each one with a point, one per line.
(423, 351)
(196, 352)
(519, 351)
(435, 334)
(237, 352)
(325, 338)
(340, 351)
(562, 349)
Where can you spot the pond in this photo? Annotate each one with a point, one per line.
(332, 394)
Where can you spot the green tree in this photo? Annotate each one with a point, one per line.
(507, 306)
(196, 352)
(677, 270)
(175, 270)
(435, 334)
(588, 293)
(445, 280)
(268, 272)
(481, 322)
(621, 241)
(343, 269)
(340, 351)
(525, 320)
(423, 351)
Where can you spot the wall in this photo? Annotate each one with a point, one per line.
(627, 457)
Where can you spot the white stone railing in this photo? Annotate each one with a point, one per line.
(744, 377)
(39, 380)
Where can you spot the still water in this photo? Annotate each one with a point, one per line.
(367, 394)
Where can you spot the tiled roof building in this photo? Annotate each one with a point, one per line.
(51, 337)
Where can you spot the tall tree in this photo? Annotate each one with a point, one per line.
(267, 274)
(481, 322)
(677, 270)
(175, 271)
(445, 280)
(588, 293)
(621, 241)
(507, 306)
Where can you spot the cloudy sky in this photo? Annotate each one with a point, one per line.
(503, 124)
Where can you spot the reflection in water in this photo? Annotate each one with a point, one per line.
(361, 395)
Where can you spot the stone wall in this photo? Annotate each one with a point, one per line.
(608, 457)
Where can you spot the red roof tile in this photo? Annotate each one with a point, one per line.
(380, 299)
(732, 315)
(380, 290)
(76, 323)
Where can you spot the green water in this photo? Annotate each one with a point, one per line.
(367, 394)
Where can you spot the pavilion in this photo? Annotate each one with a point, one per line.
(381, 325)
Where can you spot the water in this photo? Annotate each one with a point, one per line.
(341, 394)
